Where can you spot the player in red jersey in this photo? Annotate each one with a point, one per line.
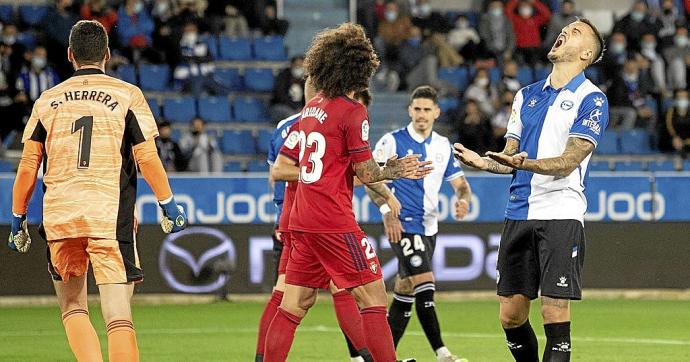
(327, 243)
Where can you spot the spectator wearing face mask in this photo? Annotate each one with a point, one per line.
(474, 129)
(628, 94)
(678, 123)
(509, 81)
(637, 23)
(496, 31)
(12, 52)
(527, 17)
(657, 67)
(12, 113)
(235, 23)
(615, 56)
(195, 72)
(271, 25)
(169, 151)
(559, 21)
(670, 19)
(482, 92)
(500, 119)
(57, 25)
(677, 59)
(427, 20)
(164, 37)
(135, 28)
(418, 62)
(464, 38)
(394, 29)
(201, 149)
(100, 11)
(288, 90)
(35, 78)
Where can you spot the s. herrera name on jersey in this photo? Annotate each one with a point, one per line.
(84, 95)
(315, 112)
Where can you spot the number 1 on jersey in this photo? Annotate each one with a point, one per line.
(85, 124)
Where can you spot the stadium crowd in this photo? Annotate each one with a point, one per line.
(478, 59)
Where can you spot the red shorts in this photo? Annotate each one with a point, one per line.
(285, 253)
(316, 259)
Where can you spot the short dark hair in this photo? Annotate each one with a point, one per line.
(340, 60)
(88, 41)
(599, 45)
(364, 96)
(164, 124)
(426, 92)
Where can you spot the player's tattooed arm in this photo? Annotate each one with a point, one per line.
(463, 195)
(395, 168)
(472, 159)
(381, 195)
(576, 150)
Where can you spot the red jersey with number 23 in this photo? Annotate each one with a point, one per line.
(333, 135)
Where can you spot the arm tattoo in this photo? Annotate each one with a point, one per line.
(462, 189)
(576, 150)
(369, 171)
(378, 193)
(512, 147)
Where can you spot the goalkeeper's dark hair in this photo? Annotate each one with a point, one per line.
(88, 41)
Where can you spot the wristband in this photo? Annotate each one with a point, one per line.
(384, 209)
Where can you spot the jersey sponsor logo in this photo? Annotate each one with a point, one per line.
(593, 121)
(365, 130)
(292, 140)
(562, 282)
(598, 101)
(567, 105)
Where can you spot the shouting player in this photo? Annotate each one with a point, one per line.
(327, 243)
(88, 132)
(555, 125)
(419, 216)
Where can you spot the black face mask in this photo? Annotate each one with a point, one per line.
(668, 11)
(196, 132)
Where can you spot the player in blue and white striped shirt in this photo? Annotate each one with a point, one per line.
(555, 125)
(413, 235)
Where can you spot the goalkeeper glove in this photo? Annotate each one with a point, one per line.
(174, 218)
(20, 240)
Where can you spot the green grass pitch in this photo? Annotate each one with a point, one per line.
(605, 330)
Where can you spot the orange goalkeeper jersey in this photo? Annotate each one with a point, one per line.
(88, 125)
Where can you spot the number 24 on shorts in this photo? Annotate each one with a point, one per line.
(407, 245)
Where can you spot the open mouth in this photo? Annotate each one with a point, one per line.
(559, 41)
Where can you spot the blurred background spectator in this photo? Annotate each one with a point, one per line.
(201, 149)
(499, 120)
(394, 29)
(637, 23)
(678, 123)
(482, 92)
(169, 151)
(195, 73)
(496, 30)
(235, 24)
(474, 129)
(628, 95)
(57, 24)
(559, 21)
(35, 77)
(100, 11)
(527, 17)
(135, 30)
(288, 91)
(271, 25)
(677, 58)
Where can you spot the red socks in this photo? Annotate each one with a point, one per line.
(280, 335)
(266, 318)
(378, 337)
(347, 312)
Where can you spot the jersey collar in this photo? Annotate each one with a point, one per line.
(415, 136)
(571, 86)
(87, 71)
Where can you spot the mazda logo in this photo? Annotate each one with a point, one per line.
(170, 250)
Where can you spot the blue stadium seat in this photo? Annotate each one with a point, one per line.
(229, 77)
(258, 79)
(495, 75)
(636, 142)
(232, 166)
(179, 109)
(608, 144)
(154, 77)
(629, 166)
(155, 108)
(238, 143)
(458, 77)
(6, 13)
(269, 48)
(686, 165)
(448, 103)
(128, 73)
(27, 39)
(263, 141)
(33, 14)
(6, 166)
(176, 134)
(235, 48)
(525, 76)
(599, 166)
(658, 166)
(214, 109)
(212, 43)
(248, 109)
(257, 166)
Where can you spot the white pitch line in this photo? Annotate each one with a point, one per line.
(322, 329)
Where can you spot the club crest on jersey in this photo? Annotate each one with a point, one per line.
(292, 140)
(532, 103)
(439, 158)
(374, 267)
(567, 105)
(365, 130)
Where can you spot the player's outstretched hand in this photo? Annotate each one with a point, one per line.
(514, 161)
(408, 167)
(394, 204)
(174, 218)
(393, 227)
(469, 157)
(461, 209)
(20, 240)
